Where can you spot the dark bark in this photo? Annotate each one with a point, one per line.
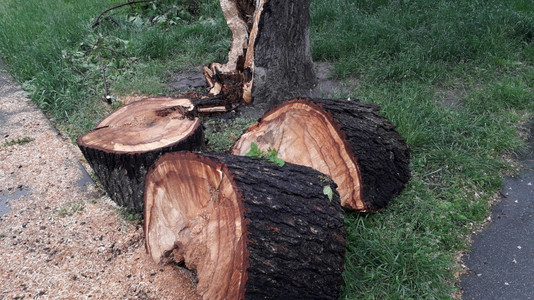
(123, 174)
(383, 155)
(283, 66)
(295, 237)
(269, 59)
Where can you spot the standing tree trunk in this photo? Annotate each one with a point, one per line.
(269, 58)
(248, 231)
(125, 144)
(345, 139)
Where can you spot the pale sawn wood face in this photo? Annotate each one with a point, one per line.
(143, 126)
(192, 209)
(304, 135)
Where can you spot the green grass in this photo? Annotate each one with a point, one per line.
(71, 208)
(52, 52)
(221, 135)
(455, 77)
(21, 141)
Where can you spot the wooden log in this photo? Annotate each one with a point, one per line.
(250, 228)
(269, 58)
(122, 147)
(345, 139)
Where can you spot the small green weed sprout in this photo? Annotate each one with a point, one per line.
(271, 155)
(327, 190)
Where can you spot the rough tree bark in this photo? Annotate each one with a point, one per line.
(345, 139)
(125, 144)
(269, 58)
(248, 231)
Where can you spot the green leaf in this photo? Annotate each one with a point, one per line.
(327, 190)
(272, 156)
(277, 161)
(254, 151)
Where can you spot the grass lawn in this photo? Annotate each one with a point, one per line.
(455, 77)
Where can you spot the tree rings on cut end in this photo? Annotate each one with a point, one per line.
(244, 227)
(125, 144)
(143, 126)
(193, 210)
(347, 140)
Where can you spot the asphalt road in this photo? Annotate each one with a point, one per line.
(501, 262)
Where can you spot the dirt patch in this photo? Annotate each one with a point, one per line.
(452, 98)
(181, 82)
(328, 87)
(11, 194)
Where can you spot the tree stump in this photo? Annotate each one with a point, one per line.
(345, 139)
(269, 58)
(251, 229)
(125, 144)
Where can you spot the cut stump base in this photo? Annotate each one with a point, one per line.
(125, 144)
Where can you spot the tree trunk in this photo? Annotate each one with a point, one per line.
(270, 57)
(251, 229)
(125, 144)
(345, 139)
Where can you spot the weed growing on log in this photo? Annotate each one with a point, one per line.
(327, 190)
(271, 155)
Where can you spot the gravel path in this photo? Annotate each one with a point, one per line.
(60, 237)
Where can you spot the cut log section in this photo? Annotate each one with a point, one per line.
(269, 58)
(125, 144)
(250, 229)
(345, 139)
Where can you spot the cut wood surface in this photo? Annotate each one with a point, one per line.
(269, 58)
(345, 139)
(251, 229)
(125, 144)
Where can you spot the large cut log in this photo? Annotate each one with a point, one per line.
(269, 58)
(345, 139)
(122, 147)
(250, 228)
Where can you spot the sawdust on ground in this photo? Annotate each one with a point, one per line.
(63, 238)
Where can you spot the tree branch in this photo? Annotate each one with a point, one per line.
(97, 21)
(103, 68)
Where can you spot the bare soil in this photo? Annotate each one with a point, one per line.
(60, 236)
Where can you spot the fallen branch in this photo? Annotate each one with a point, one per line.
(97, 21)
